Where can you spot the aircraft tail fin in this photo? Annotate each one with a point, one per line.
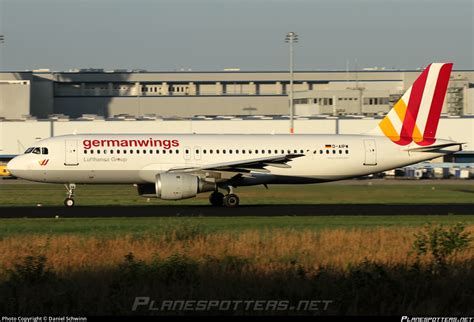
(416, 115)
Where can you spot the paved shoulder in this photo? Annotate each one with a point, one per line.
(270, 210)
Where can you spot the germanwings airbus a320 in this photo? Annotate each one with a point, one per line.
(175, 167)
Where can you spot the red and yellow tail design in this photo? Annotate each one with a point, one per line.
(416, 115)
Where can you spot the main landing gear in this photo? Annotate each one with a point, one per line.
(69, 201)
(218, 199)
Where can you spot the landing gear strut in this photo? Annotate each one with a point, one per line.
(69, 201)
(230, 200)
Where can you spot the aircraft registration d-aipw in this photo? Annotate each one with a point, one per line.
(180, 166)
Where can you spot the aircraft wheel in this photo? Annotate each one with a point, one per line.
(69, 202)
(231, 200)
(216, 199)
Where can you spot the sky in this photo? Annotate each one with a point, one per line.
(210, 35)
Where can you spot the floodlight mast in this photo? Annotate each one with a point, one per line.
(291, 38)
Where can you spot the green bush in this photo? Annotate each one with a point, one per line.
(30, 270)
(441, 244)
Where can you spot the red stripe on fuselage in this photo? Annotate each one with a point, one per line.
(436, 105)
(413, 108)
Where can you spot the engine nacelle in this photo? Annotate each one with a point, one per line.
(175, 186)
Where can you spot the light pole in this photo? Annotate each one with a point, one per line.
(2, 40)
(291, 38)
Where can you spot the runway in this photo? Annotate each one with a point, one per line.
(252, 210)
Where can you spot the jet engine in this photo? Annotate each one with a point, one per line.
(175, 186)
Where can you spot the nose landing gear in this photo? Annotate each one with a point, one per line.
(69, 201)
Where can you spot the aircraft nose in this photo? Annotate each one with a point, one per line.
(13, 166)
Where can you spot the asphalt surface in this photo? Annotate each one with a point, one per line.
(264, 210)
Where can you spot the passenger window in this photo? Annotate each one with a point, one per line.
(282, 151)
(276, 151)
(138, 151)
(144, 151)
(217, 151)
(177, 151)
(223, 151)
(236, 151)
(92, 151)
(164, 151)
(210, 151)
(243, 151)
(250, 151)
(263, 151)
(187, 151)
(301, 151)
(204, 151)
(37, 151)
(333, 151)
(327, 151)
(98, 151)
(340, 151)
(256, 151)
(347, 151)
(320, 151)
(118, 151)
(44, 150)
(85, 151)
(151, 151)
(111, 151)
(269, 151)
(105, 151)
(230, 151)
(124, 151)
(131, 151)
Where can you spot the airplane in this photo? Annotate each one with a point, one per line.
(180, 166)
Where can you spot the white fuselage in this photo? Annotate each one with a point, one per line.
(130, 158)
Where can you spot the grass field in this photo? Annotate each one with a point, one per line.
(371, 270)
(362, 264)
(139, 227)
(353, 192)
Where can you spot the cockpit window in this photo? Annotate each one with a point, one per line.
(44, 150)
(37, 151)
(29, 150)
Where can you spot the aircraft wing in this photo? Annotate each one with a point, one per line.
(243, 166)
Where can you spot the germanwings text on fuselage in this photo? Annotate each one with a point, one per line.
(153, 143)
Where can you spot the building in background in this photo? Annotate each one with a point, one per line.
(42, 93)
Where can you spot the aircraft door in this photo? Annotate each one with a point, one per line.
(370, 152)
(71, 158)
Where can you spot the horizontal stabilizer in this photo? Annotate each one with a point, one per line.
(434, 148)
